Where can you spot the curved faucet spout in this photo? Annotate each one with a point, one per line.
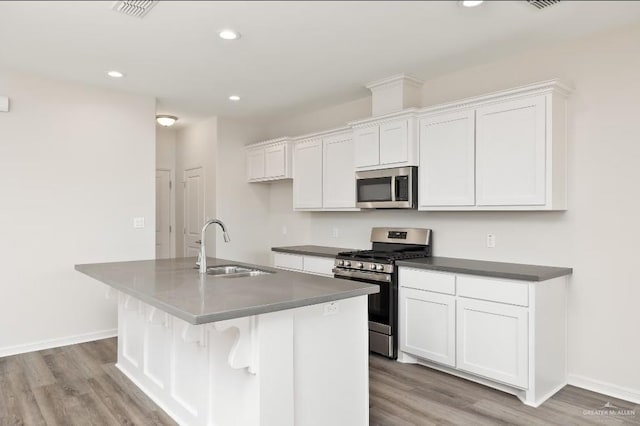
(203, 245)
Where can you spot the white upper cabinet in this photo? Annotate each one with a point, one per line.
(269, 160)
(367, 146)
(503, 151)
(511, 146)
(394, 147)
(447, 160)
(339, 182)
(307, 174)
(255, 164)
(384, 142)
(324, 177)
(275, 158)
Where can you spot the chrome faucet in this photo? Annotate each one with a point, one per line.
(203, 251)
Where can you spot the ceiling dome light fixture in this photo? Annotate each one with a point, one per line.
(471, 3)
(229, 35)
(234, 98)
(115, 74)
(166, 120)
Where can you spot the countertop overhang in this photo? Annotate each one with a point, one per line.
(174, 286)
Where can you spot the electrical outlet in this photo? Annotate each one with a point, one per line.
(491, 240)
(331, 308)
(336, 232)
(138, 222)
(284, 230)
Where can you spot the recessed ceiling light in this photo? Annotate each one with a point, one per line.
(471, 3)
(234, 98)
(229, 35)
(166, 120)
(115, 74)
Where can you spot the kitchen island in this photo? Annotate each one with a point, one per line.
(274, 348)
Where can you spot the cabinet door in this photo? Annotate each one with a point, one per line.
(510, 148)
(492, 341)
(275, 161)
(447, 160)
(394, 142)
(307, 175)
(366, 143)
(428, 325)
(339, 181)
(255, 164)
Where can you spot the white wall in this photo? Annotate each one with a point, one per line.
(597, 236)
(77, 164)
(166, 140)
(242, 206)
(196, 147)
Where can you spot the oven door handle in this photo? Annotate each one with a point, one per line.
(373, 276)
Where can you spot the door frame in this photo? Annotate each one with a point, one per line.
(184, 202)
(172, 209)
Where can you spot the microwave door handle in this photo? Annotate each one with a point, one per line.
(394, 188)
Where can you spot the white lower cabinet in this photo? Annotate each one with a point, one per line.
(428, 325)
(310, 264)
(493, 341)
(507, 334)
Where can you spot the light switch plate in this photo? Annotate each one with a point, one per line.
(491, 240)
(4, 104)
(138, 222)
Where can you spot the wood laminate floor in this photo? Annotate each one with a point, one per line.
(80, 385)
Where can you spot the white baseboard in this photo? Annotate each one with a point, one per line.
(615, 391)
(55, 343)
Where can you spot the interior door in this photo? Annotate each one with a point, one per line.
(193, 210)
(163, 213)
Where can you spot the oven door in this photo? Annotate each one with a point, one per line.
(382, 309)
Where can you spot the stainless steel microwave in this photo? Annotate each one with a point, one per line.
(387, 188)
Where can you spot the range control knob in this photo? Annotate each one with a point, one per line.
(380, 267)
(372, 266)
(341, 263)
(347, 263)
(360, 265)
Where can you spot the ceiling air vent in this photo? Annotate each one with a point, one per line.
(137, 8)
(541, 4)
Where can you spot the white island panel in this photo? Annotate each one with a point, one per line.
(306, 366)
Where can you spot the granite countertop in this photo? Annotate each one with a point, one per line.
(320, 251)
(513, 271)
(174, 286)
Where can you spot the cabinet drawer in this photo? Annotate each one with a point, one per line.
(426, 280)
(288, 261)
(318, 265)
(503, 291)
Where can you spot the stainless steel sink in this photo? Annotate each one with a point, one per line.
(235, 271)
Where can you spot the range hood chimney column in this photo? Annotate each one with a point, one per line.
(395, 93)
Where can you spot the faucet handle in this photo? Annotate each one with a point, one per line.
(199, 259)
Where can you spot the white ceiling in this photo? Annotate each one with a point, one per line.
(293, 55)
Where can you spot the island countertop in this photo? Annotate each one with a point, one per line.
(174, 286)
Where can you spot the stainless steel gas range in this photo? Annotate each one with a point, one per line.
(377, 266)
